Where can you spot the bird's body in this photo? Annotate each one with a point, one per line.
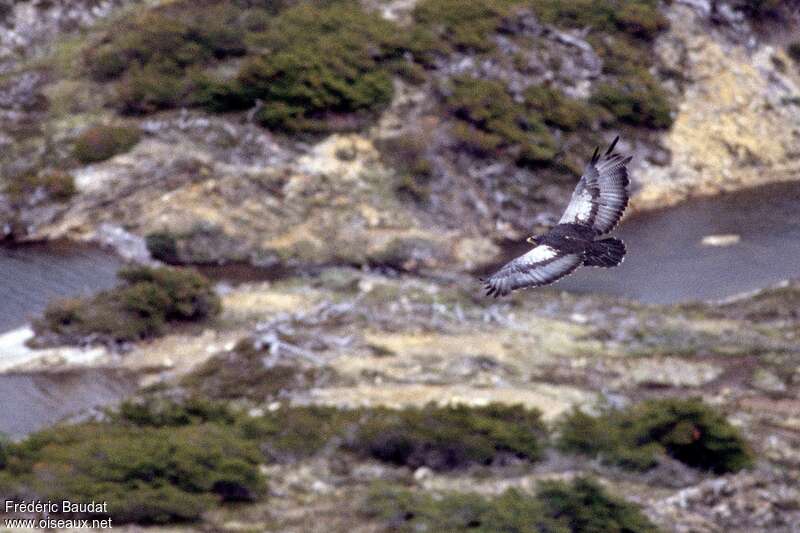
(595, 208)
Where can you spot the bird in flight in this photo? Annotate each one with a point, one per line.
(594, 209)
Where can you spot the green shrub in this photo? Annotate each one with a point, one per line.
(163, 247)
(584, 506)
(459, 24)
(638, 18)
(294, 433)
(442, 438)
(150, 88)
(490, 122)
(465, 25)
(445, 438)
(158, 412)
(147, 475)
(102, 142)
(578, 507)
(324, 62)
(140, 308)
(558, 110)
(57, 186)
(180, 33)
(156, 54)
(190, 296)
(686, 430)
(637, 100)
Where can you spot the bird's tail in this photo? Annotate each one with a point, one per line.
(605, 253)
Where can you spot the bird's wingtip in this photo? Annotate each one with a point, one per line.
(612, 146)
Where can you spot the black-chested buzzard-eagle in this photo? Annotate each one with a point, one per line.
(595, 208)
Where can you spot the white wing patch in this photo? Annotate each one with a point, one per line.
(539, 254)
(581, 206)
(540, 266)
(602, 192)
(598, 202)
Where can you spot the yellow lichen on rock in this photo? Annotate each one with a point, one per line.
(735, 126)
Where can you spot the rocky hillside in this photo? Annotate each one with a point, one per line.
(447, 129)
(370, 157)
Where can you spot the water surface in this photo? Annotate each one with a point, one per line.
(35, 274)
(32, 401)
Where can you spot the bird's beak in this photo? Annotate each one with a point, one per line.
(531, 240)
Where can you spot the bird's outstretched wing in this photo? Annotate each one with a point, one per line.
(602, 192)
(540, 266)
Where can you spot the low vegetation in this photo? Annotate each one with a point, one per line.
(54, 186)
(159, 460)
(635, 438)
(101, 142)
(445, 438)
(151, 467)
(557, 507)
(309, 66)
(327, 66)
(464, 25)
(490, 122)
(441, 438)
(141, 307)
(635, 100)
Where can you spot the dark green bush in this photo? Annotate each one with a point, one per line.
(558, 110)
(181, 33)
(190, 296)
(156, 54)
(459, 24)
(294, 433)
(324, 65)
(57, 186)
(163, 247)
(442, 438)
(158, 413)
(637, 100)
(101, 142)
(445, 438)
(152, 87)
(465, 25)
(147, 475)
(405, 511)
(140, 308)
(638, 18)
(578, 507)
(583, 506)
(491, 122)
(686, 430)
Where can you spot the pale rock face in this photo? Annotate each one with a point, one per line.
(736, 126)
(666, 372)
